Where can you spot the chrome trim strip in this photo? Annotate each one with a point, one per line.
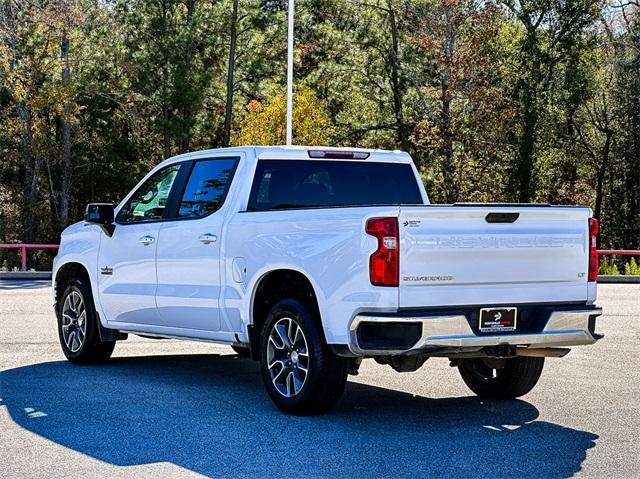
(564, 328)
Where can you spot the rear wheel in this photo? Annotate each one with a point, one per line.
(503, 378)
(77, 325)
(299, 372)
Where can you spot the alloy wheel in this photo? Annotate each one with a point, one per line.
(74, 321)
(288, 357)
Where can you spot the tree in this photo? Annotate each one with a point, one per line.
(256, 54)
(622, 210)
(21, 88)
(596, 129)
(264, 124)
(464, 102)
(233, 38)
(354, 54)
(549, 29)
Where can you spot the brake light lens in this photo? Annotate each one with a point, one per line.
(338, 154)
(594, 227)
(384, 263)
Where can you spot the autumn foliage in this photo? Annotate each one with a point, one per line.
(264, 124)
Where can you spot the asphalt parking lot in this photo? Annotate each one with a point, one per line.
(165, 408)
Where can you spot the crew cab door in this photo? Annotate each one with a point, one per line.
(189, 248)
(127, 259)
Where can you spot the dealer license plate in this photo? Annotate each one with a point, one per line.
(498, 319)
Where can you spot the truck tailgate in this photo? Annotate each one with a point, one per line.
(452, 255)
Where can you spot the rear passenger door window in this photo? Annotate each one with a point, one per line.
(206, 188)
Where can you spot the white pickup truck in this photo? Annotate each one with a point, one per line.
(310, 260)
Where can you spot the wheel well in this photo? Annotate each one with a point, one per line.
(273, 287)
(66, 273)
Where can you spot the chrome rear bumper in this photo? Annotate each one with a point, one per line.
(452, 332)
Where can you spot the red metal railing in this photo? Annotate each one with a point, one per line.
(23, 251)
(619, 252)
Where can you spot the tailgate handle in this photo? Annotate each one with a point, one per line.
(501, 217)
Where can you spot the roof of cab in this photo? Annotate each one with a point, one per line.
(282, 152)
(298, 152)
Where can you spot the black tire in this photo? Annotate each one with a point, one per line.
(241, 351)
(326, 374)
(91, 349)
(518, 376)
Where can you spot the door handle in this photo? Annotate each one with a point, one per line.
(147, 240)
(207, 238)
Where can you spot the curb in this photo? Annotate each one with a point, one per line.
(618, 279)
(25, 275)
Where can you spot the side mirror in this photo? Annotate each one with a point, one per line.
(101, 214)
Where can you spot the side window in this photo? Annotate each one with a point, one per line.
(207, 187)
(149, 201)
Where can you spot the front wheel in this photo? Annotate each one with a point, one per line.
(78, 327)
(501, 379)
(299, 372)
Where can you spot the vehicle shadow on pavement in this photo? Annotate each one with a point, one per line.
(210, 414)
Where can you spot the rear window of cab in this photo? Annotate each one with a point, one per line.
(291, 184)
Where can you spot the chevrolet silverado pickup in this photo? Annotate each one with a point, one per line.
(311, 259)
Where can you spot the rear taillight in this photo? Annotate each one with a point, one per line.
(384, 263)
(593, 251)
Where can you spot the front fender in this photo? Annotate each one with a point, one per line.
(80, 244)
